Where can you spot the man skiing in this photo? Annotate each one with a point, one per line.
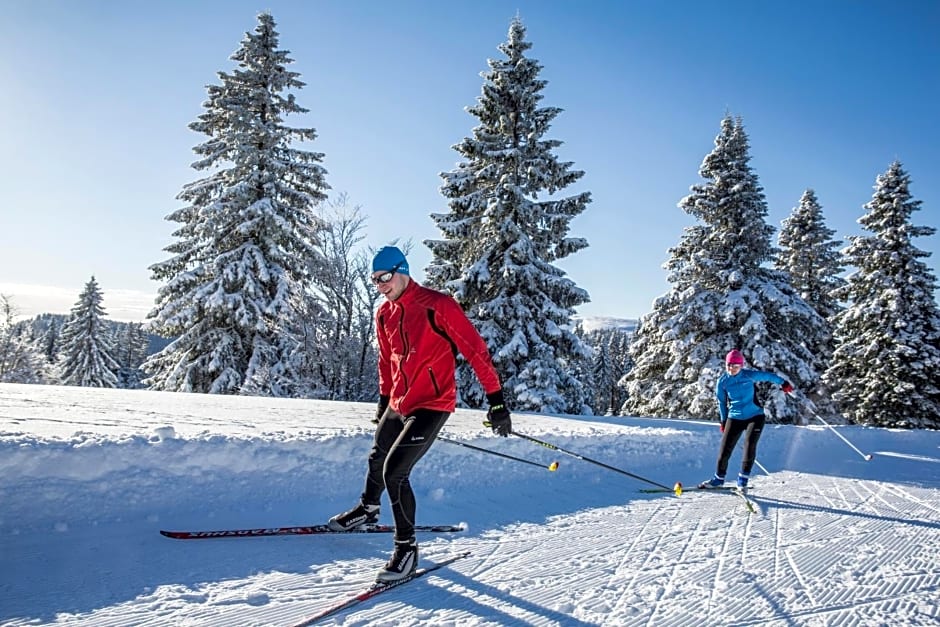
(740, 414)
(419, 331)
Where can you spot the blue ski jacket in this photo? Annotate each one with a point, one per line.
(736, 393)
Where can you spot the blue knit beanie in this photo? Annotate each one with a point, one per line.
(389, 257)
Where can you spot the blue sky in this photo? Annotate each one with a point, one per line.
(97, 96)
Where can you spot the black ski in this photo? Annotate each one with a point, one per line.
(733, 489)
(376, 589)
(300, 531)
(748, 503)
(725, 488)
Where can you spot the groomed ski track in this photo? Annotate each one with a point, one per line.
(830, 559)
(832, 544)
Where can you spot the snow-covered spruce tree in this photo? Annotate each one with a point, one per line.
(722, 297)
(85, 344)
(601, 380)
(21, 360)
(619, 350)
(810, 255)
(247, 236)
(50, 342)
(500, 239)
(887, 356)
(130, 343)
(610, 363)
(812, 259)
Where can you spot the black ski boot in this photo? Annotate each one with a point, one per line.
(357, 516)
(403, 563)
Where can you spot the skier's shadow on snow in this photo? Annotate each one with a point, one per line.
(489, 611)
(761, 500)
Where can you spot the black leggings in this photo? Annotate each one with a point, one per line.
(400, 441)
(733, 430)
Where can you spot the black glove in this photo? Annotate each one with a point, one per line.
(380, 410)
(497, 418)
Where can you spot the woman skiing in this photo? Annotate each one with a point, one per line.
(740, 414)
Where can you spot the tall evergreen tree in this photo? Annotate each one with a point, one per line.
(810, 255)
(50, 342)
(722, 297)
(20, 359)
(610, 363)
(619, 349)
(247, 237)
(130, 343)
(601, 380)
(500, 239)
(85, 354)
(811, 258)
(887, 352)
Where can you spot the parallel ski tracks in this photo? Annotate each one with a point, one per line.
(821, 612)
(924, 506)
(666, 557)
(663, 563)
(672, 580)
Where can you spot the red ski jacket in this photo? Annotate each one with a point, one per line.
(419, 336)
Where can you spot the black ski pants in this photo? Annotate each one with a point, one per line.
(752, 428)
(400, 441)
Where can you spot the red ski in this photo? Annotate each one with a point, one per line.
(300, 531)
(376, 589)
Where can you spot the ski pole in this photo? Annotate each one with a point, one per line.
(867, 458)
(761, 466)
(551, 467)
(677, 488)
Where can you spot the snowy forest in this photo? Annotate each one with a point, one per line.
(266, 285)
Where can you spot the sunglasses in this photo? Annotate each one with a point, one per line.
(385, 277)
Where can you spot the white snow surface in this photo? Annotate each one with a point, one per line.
(88, 477)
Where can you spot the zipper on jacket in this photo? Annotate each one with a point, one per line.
(407, 350)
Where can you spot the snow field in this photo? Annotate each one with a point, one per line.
(88, 477)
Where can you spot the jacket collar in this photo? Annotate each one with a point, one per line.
(408, 294)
